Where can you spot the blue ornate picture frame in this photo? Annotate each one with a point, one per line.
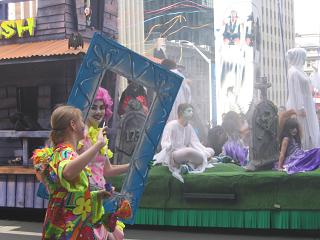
(105, 54)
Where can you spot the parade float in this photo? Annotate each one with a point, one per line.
(42, 73)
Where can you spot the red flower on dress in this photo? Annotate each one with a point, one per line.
(57, 218)
(112, 222)
(86, 234)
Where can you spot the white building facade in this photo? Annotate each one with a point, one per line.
(275, 42)
(131, 28)
(22, 10)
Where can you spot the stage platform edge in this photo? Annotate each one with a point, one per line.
(244, 219)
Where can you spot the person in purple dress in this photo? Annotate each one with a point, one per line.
(234, 146)
(292, 158)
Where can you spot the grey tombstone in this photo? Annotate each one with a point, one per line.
(129, 131)
(264, 150)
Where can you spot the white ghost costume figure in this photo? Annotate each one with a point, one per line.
(180, 144)
(300, 98)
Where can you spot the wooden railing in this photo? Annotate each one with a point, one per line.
(18, 184)
(25, 136)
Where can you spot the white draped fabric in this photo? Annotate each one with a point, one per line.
(176, 136)
(315, 80)
(300, 98)
(183, 96)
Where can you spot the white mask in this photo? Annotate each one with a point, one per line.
(188, 113)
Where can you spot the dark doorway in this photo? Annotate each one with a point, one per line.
(27, 99)
(97, 16)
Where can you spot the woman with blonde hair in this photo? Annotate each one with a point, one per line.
(73, 211)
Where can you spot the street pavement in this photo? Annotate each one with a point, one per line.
(26, 230)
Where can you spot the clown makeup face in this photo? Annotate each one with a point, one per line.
(188, 114)
(96, 113)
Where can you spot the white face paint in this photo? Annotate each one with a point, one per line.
(188, 113)
(96, 113)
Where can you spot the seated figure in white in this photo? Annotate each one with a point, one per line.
(181, 149)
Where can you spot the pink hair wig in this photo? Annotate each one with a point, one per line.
(102, 94)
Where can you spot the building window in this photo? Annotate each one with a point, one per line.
(27, 101)
(94, 12)
(3, 11)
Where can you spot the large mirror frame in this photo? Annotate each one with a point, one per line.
(105, 54)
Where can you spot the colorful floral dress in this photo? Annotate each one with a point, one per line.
(97, 180)
(73, 211)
